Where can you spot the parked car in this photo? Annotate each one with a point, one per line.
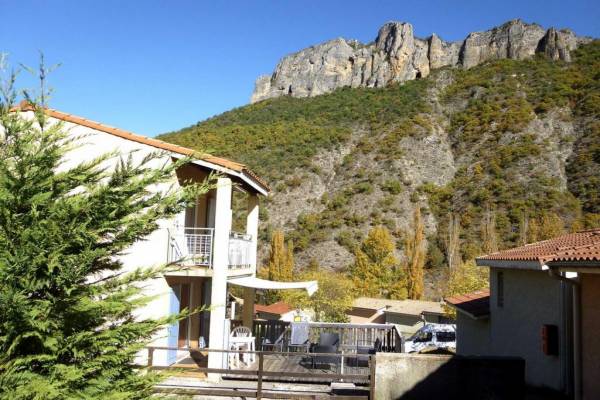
(432, 336)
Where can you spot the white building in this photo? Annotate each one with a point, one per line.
(202, 236)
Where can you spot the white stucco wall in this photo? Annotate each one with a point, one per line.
(531, 299)
(150, 252)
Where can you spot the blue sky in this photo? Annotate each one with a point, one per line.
(156, 66)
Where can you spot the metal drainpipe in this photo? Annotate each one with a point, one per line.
(576, 329)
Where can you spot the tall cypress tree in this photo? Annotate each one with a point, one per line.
(67, 326)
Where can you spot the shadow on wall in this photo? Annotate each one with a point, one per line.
(417, 377)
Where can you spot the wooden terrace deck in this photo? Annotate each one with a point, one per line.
(288, 367)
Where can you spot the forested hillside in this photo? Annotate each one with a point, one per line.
(498, 154)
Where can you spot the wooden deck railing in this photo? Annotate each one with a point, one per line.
(261, 370)
(351, 335)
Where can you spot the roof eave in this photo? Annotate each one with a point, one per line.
(246, 178)
(532, 265)
(468, 314)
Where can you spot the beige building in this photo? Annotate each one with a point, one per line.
(201, 238)
(409, 315)
(543, 306)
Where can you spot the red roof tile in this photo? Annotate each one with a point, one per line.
(579, 246)
(222, 162)
(278, 308)
(476, 304)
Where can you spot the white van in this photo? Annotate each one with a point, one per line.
(432, 336)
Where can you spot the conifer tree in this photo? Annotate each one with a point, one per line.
(67, 326)
(414, 251)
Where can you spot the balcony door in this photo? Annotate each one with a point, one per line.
(192, 215)
(201, 214)
(184, 324)
(211, 206)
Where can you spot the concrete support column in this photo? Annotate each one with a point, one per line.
(223, 217)
(252, 227)
(248, 315)
(252, 230)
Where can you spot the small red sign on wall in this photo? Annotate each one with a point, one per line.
(550, 340)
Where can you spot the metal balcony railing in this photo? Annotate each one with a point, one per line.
(195, 246)
(240, 247)
(199, 245)
(192, 246)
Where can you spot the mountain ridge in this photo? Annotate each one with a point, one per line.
(516, 141)
(396, 55)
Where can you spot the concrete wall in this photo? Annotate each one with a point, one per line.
(590, 335)
(472, 335)
(531, 299)
(420, 376)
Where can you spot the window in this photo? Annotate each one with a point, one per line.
(421, 337)
(500, 289)
(446, 336)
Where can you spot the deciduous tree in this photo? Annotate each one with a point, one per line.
(330, 302)
(465, 278)
(488, 231)
(414, 251)
(376, 271)
(452, 241)
(280, 266)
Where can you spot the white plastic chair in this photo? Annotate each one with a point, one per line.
(245, 332)
(241, 331)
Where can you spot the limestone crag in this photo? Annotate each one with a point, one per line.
(397, 55)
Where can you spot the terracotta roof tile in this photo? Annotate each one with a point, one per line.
(278, 308)
(579, 246)
(476, 304)
(222, 162)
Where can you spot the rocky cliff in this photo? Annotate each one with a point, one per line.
(515, 139)
(397, 55)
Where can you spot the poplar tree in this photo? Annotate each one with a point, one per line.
(68, 328)
(452, 241)
(414, 251)
(280, 266)
(488, 231)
